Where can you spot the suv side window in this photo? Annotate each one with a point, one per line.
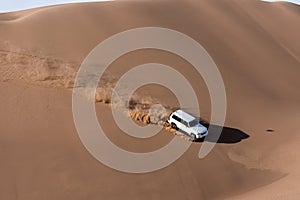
(180, 120)
(177, 118)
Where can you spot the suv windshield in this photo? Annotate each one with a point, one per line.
(193, 123)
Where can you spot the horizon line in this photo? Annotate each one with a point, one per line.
(8, 7)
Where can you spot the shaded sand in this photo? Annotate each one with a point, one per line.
(254, 44)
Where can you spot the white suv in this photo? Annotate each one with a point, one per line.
(187, 123)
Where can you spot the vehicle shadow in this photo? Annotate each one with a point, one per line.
(228, 135)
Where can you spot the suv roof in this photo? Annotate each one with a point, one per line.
(185, 116)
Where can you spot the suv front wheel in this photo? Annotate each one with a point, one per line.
(193, 136)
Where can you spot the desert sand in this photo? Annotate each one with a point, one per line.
(256, 48)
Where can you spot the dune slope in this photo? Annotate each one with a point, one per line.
(256, 48)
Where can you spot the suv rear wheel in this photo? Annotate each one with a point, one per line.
(174, 126)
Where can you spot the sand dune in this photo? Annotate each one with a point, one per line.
(256, 48)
